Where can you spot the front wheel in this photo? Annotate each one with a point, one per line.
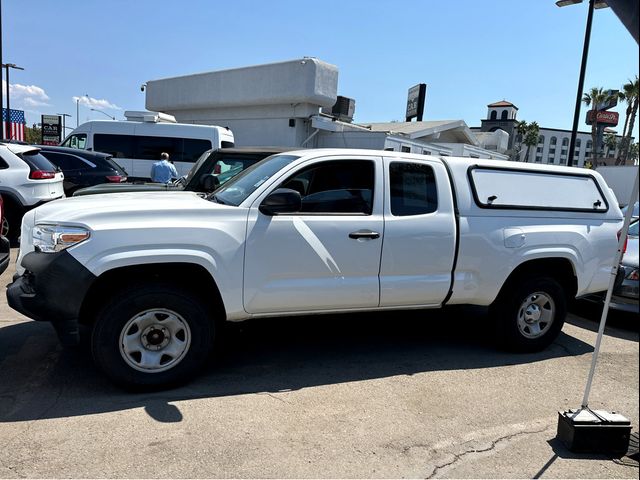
(529, 313)
(152, 337)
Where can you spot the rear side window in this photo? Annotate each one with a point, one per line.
(150, 148)
(413, 189)
(193, 148)
(120, 146)
(532, 190)
(66, 162)
(37, 161)
(3, 164)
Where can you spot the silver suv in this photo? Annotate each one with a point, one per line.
(27, 179)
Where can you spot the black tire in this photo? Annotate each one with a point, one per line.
(181, 307)
(13, 219)
(512, 311)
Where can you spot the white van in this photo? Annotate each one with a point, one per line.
(138, 142)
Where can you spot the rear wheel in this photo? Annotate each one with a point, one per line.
(529, 313)
(152, 336)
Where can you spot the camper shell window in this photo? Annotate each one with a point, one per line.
(495, 187)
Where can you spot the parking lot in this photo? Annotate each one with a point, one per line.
(405, 394)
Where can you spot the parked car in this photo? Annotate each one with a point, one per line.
(137, 143)
(315, 231)
(27, 179)
(82, 168)
(223, 163)
(4, 242)
(625, 295)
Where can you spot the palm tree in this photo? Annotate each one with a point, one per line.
(633, 153)
(521, 130)
(629, 94)
(611, 142)
(531, 137)
(593, 98)
(635, 94)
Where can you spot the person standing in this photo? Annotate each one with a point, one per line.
(163, 171)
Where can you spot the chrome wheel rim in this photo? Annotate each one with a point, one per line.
(4, 228)
(536, 314)
(155, 340)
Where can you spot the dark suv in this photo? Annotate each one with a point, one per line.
(83, 168)
(218, 164)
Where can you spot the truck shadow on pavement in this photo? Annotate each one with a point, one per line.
(40, 380)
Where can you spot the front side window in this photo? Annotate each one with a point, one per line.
(335, 187)
(78, 140)
(413, 189)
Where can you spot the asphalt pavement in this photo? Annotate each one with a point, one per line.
(405, 394)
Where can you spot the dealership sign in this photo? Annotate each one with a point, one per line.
(51, 129)
(415, 101)
(603, 118)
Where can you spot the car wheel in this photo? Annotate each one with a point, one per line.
(529, 313)
(152, 337)
(4, 228)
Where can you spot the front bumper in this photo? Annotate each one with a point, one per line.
(4, 254)
(52, 289)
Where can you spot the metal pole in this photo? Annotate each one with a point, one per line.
(583, 67)
(77, 111)
(614, 272)
(8, 128)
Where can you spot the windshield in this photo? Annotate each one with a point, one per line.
(197, 165)
(236, 190)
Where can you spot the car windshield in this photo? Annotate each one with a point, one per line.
(236, 190)
(196, 166)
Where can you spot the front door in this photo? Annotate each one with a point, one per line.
(327, 255)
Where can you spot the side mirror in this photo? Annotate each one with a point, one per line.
(282, 200)
(209, 182)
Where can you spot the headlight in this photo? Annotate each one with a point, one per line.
(55, 238)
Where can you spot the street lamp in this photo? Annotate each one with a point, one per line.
(102, 112)
(583, 66)
(78, 109)
(7, 66)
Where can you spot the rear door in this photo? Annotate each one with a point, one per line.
(419, 234)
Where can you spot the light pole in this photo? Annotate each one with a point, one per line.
(583, 66)
(7, 66)
(63, 115)
(78, 109)
(102, 112)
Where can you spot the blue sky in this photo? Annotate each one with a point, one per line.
(468, 52)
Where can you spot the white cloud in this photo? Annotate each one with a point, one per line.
(26, 95)
(98, 104)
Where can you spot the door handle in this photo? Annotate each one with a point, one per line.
(364, 234)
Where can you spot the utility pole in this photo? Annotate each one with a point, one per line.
(7, 66)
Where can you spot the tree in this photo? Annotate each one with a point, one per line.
(634, 93)
(521, 131)
(593, 98)
(633, 153)
(625, 95)
(611, 142)
(531, 137)
(33, 134)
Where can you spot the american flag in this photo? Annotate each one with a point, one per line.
(16, 125)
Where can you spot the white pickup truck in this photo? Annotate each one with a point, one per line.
(315, 231)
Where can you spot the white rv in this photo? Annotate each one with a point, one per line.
(138, 142)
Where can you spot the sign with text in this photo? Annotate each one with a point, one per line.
(51, 129)
(415, 102)
(603, 118)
